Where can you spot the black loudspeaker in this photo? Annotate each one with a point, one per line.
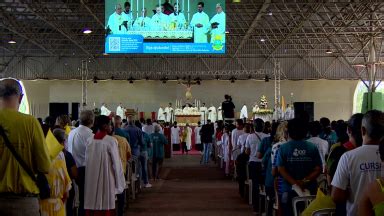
(57, 109)
(305, 109)
(75, 111)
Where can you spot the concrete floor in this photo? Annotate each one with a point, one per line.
(189, 188)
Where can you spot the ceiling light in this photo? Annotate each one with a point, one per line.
(105, 54)
(227, 32)
(262, 39)
(232, 79)
(328, 51)
(87, 31)
(270, 13)
(95, 79)
(11, 41)
(217, 77)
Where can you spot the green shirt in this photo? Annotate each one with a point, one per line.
(158, 142)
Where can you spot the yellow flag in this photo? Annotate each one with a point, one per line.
(67, 130)
(54, 147)
(283, 104)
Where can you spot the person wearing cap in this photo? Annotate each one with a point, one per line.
(218, 25)
(18, 192)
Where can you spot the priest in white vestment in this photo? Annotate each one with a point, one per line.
(116, 21)
(218, 25)
(120, 111)
(168, 113)
(212, 115)
(188, 140)
(200, 25)
(176, 19)
(104, 110)
(128, 17)
(219, 114)
(244, 113)
(255, 109)
(104, 174)
(159, 21)
(203, 112)
(161, 114)
(142, 23)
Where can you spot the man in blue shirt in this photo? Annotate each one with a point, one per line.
(118, 130)
(158, 143)
(135, 136)
(299, 164)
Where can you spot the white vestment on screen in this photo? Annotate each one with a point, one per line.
(200, 34)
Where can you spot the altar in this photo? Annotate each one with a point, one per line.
(183, 119)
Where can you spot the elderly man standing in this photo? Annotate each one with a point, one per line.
(142, 23)
(200, 24)
(117, 23)
(77, 141)
(218, 25)
(18, 192)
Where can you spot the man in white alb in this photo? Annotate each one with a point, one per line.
(244, 113)
(175, 137)
(161, 114)
(176, 19)
(120, 111)
(168, 113)
(212, 113)
(142, 23)
(200, 24)
(159, 20)
(116, 22)
(219, 114)
(203, 112)
(104, 110)
(197, 129)
(218, 25)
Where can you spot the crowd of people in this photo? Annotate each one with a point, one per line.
(284, 159)
(169, 17)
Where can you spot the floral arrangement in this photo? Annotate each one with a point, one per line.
(263, 109)
(185, 124)
(264, 112)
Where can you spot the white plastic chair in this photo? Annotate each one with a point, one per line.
(304, 199)
(325, 212)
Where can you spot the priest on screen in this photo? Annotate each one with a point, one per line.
(116, 22)
(159, 20)
(120, 111)
(218, 25)
(104, 110)
(200, 24)
(176, 19)
(128, 17)
(142, 23)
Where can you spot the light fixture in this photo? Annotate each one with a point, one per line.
(270, 13)
(262, 39)
(147, 78)
(250, 77)
(217, 77)
(87, 31)
(112, 77)
(95, 79)
(11, 41)
(232, 79)
(130, 79)
(198, 81)
(105, 54)
(226, 32)
(328, 51)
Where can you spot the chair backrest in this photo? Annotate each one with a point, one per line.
(304, 199)
(325, 212)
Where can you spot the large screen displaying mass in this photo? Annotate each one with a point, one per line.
(165, 26)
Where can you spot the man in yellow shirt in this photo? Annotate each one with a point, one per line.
(18, 192)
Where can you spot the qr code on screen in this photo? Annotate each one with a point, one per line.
(114, 44)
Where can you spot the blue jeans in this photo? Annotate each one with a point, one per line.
(207, 152)
(144, 167)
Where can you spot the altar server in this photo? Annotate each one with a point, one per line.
(161, 114)
(104, 175)
(219, 114)
(200, 24)
(120, 111)
(116, 22)
(175, 135)
(176, 19)
(218, 25)
(212, 115)
(104, 110)
(203, 112)
(159, 20)
(244, 113)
